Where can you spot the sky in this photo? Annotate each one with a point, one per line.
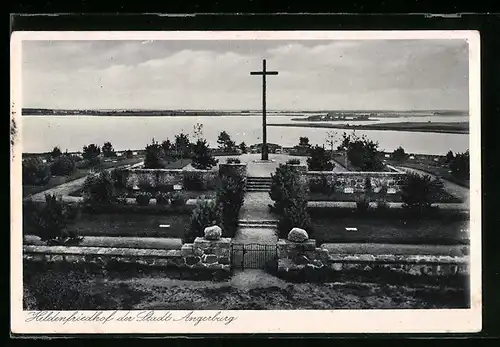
(313, 75)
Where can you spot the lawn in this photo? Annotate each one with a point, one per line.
(446, 231)
(81, 171)
(130, 225)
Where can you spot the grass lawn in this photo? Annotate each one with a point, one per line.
(422, 231)
(130, 225)
(79, 173)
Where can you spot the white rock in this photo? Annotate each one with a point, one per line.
(213, 232)
(297, 235)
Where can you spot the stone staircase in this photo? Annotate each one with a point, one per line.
(258, 223)
(258, 184)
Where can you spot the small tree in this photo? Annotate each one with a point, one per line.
(363, 153)
(64, 165)
(56, 152)
(99, 188)
(449, 157)
(284, 182)
(198, 131)
(202, 157)
(167, 146)
(319, 160)
(182, 145)
(304, 142)
(154, 156)
(295, 215)
(50, 220)
(35, 171)
(243, 147)
(91, 153)
(399, 154)
(331, 140)
(418, 192)
(206, 213)
(107, 150)
(129, 154)
(225, 143)
(230, 197)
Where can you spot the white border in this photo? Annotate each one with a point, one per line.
(273, 321)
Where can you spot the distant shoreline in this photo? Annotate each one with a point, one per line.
(444, 128)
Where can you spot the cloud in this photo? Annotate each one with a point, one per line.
(195, 75)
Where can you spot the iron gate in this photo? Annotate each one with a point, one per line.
(252, 255)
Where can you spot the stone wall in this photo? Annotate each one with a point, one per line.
(207, 254)
(156, 178)
(354, 182)
(201, 255)
(303, 258)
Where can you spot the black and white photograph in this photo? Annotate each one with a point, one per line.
(188, 177)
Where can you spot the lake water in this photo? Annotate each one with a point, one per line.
(42, 133)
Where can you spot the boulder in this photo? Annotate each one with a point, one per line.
(297, 235)
(213, 233)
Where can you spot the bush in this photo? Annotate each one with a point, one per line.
(193, 181)
(399, 154)
(233, 161)
(162, 198)
(129, 154)
(178, 199)
(49, 221)
(285, 184)
(319, 160)
(117, 176)
(230, 197)
(143, 198)
(206, 213)
(368, 185)
(91, 153)
(35, 171)
(362, 153)
(64, 165)
(460, 166)
(322, 185)
(56, 152)
(99, 188)
(418, 192)
(107, 150)
(362, 203)
(293, 161)
(295, 215)
(202, 158)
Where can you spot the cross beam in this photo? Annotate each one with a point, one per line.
(264, 73)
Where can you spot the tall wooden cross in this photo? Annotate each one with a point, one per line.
(264, 73)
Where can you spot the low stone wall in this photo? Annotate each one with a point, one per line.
(354, 182)
(203, 254)
(303, 258)
(157, 178)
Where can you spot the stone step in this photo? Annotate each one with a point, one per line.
(259, 185)
(250, 190)
(258, 221)
(262, 179)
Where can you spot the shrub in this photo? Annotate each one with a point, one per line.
(64, 165)
(399, 154)
(419, 191)
(460, 165)
(154, 156)
(319, 160)
(49, 221)
(193, 181)
(35, 171)
(230, 197)
(368, 185)
(206, 213)
(99, 188)
(202, 158)
(362, 153)
(322, 185)
(129, 154)
(178, 199)
(225, 143)
(362, 203)
(293, 161)
(295, 215)
(243, 147)
(117, 177)
(233, 161)
(162, 198)
(143, 198)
